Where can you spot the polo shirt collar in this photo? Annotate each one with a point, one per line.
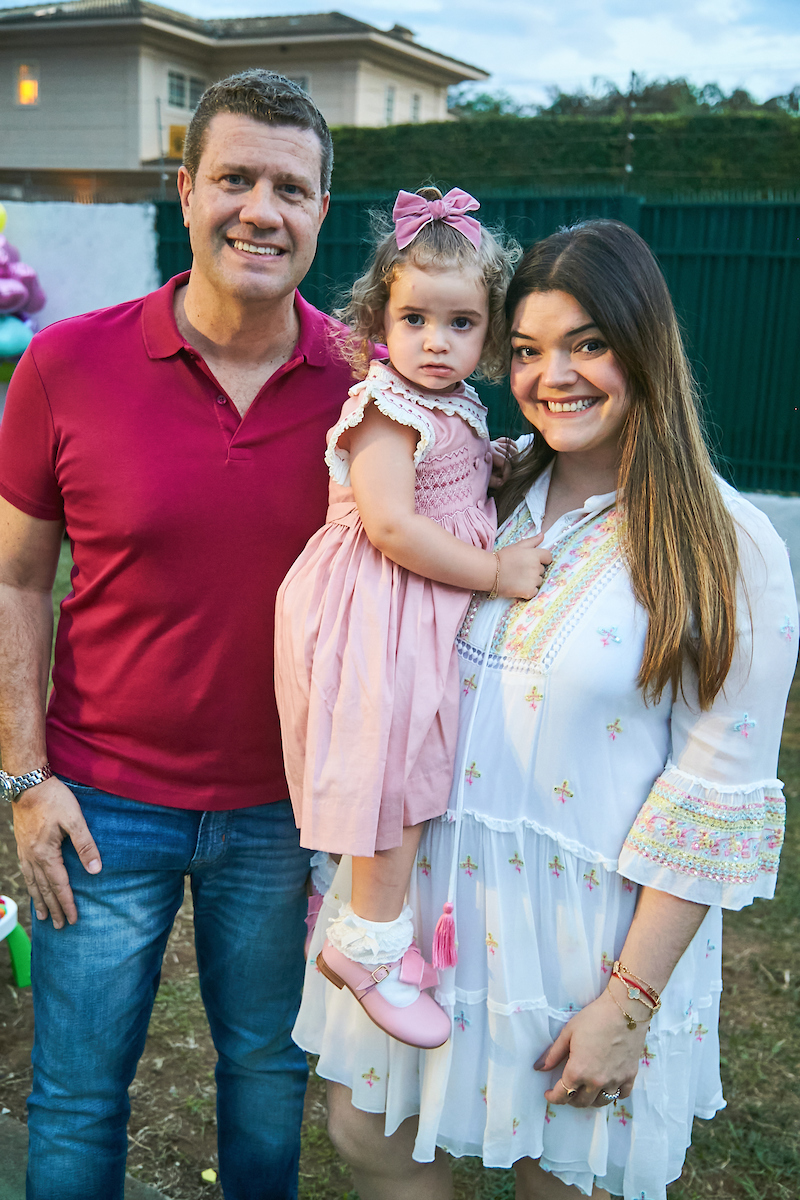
(162, 338)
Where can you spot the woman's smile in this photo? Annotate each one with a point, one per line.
(565, 377)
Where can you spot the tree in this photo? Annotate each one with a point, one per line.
(605, 99)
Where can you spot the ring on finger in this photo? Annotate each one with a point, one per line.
(611, 1095)
(570, 1091)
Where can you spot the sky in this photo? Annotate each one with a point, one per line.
(529, 46)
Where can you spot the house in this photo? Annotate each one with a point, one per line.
(95, 95)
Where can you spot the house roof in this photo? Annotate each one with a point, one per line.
(313, 27)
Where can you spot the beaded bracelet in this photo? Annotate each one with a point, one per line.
(636, 988)
(495, 590)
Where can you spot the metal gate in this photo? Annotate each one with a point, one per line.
(734, 272)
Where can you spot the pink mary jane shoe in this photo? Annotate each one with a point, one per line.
(423, 1023)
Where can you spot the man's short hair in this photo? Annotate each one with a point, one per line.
(266, 96)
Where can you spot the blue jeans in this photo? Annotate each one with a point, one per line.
(94, 984)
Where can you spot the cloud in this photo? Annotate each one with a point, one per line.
(530, 45)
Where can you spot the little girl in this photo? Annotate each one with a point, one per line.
(366, 673)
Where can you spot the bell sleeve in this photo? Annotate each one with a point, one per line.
(711, 829)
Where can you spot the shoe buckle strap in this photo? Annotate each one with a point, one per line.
(376, 976)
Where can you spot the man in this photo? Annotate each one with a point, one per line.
(180, 438)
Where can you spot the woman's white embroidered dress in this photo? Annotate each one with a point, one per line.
(573, 793)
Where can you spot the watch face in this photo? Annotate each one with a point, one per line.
(7, 789)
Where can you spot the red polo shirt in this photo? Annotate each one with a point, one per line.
(183, 518)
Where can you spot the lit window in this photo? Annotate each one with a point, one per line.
(177, 89)
(391, 93)
(28, 83)
(196, 89)
(416, 108)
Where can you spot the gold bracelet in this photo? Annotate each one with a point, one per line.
(495, 590)
(644, 993)
(631, 1023)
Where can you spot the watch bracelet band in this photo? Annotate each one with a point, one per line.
(29, 779)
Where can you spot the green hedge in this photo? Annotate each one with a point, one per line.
(724, 152)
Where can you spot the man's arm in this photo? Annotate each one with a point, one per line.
(43, 815)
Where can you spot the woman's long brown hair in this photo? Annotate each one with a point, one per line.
(680, 541)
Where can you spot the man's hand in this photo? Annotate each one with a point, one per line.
(43, 816)
(504, 451)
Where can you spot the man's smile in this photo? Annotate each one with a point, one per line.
(253, 248)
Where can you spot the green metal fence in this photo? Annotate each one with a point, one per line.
(734, 272)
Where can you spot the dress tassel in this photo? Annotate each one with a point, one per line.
(444, 940)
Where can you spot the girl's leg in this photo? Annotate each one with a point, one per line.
(535, 1184)
(368, 948)
(382, 1167)
(380, 883)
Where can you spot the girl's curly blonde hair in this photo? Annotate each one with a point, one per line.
(437, 245)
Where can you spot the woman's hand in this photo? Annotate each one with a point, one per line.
(601, 1053)
(522, 568)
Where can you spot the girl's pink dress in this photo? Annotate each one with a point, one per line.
(366, 673)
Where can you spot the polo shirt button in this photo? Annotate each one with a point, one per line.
(476, 464)
(221, 400)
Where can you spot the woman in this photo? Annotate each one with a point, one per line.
(615, 781)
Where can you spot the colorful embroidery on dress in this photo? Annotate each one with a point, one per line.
(371, 1076)
(556, 866)
(787, 629)
(614, 729)
(461, 1020)
(731, 839)
(647, 1056)
(514, 1126)
(627, 886)
(517, 863)
(468, 685)
(745, 726)
(607, 636)
(469, 866)
(492, 943)
(549, 1113)
(562, 791)
(622, 1114)
(534, 629)
(709, 947)
(591, 879)
(699, 1032)
(471, 773)
(424, 864)
(483, 1094)
(606, 963)
(534, 697)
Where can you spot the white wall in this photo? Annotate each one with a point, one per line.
(87, 255)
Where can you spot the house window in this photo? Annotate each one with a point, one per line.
(391, 93)
(196, 89)
(28, 83)
(177, 89)
(416, 108)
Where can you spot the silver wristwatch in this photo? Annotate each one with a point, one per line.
(12, 786)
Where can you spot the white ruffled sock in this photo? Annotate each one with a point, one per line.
(372, 943)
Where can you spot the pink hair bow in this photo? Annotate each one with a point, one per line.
(412, 213)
